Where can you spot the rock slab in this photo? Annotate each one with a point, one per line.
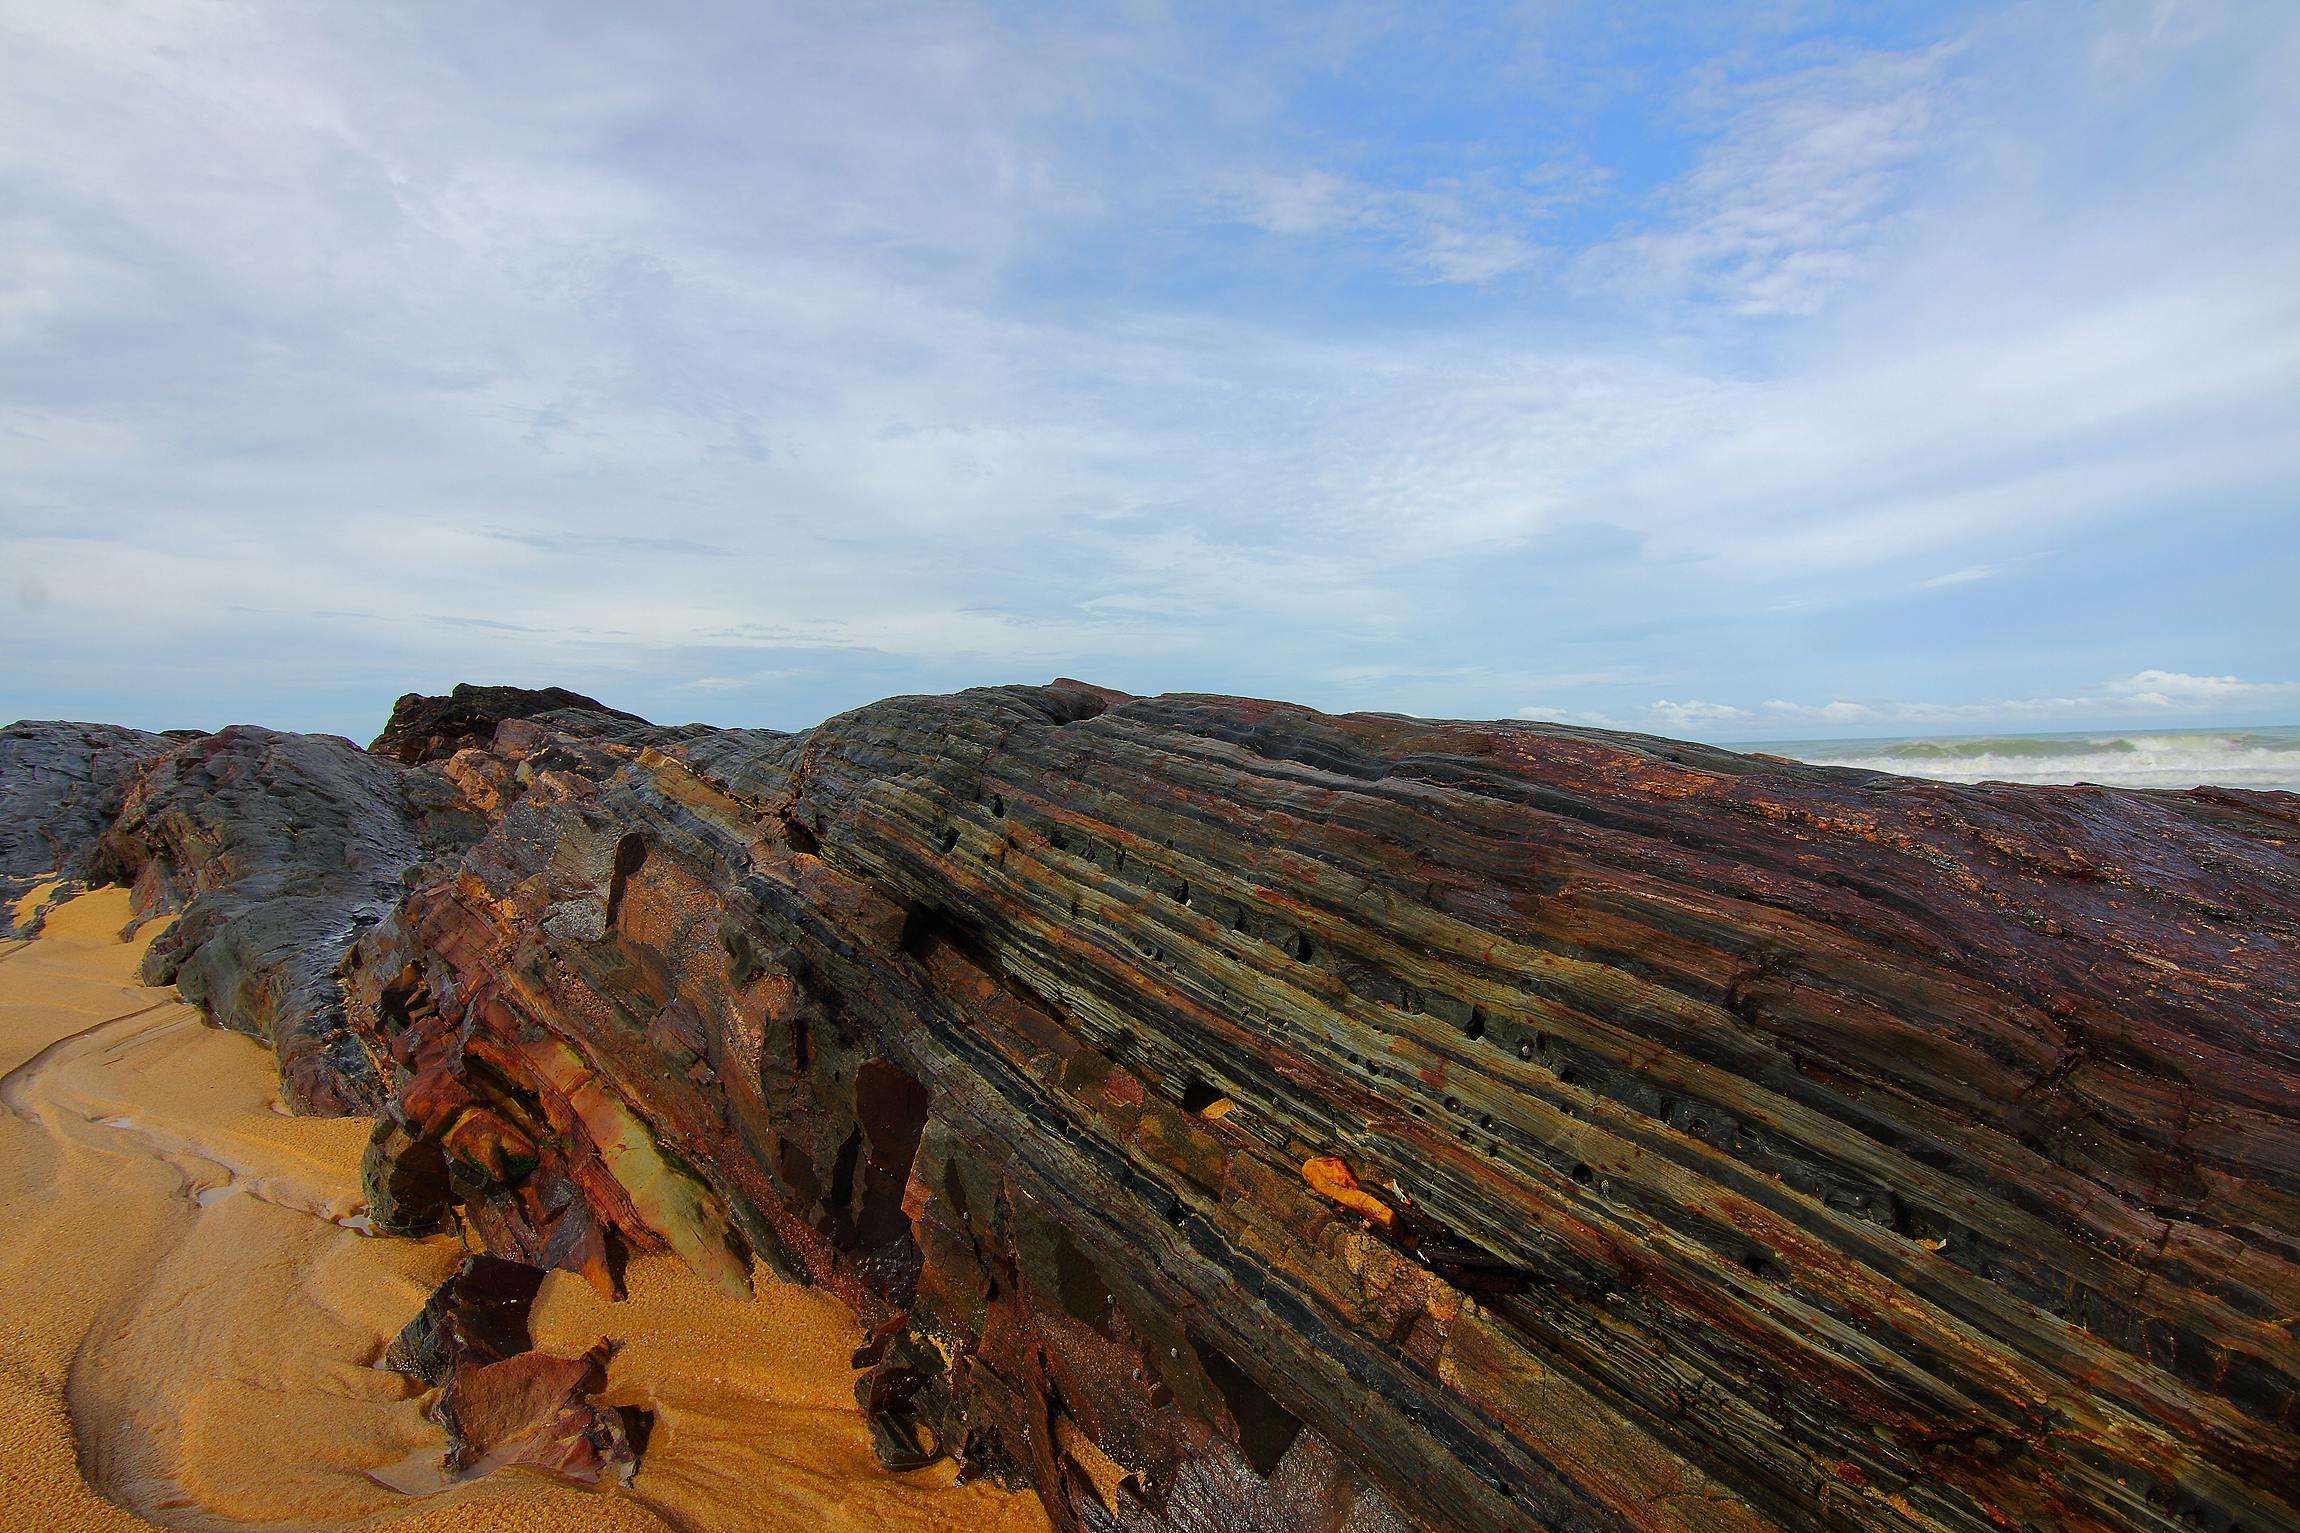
(1226, 1116)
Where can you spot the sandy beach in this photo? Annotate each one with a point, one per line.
(191, 1310)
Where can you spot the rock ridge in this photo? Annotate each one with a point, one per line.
(1226, 1115)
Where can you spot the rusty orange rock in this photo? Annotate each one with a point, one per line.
(1330, 1178)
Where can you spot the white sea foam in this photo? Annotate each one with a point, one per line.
(2227, 758)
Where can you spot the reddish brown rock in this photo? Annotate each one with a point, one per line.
(1760, 1145)
(1226, 1116)
(503, 1404)
(535, 1411)
(478, 1316)
(433, 729)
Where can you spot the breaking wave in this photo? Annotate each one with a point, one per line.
(2226, 758)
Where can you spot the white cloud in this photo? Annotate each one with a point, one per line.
(883, 345)
(1798, 187)
(1969, 575)
(2175, 690)
(1695, 714)
(1306, 202)
(2207, 699)
(1838, 712)
(1547, 713)
(1442, 231)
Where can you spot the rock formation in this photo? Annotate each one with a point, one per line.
(434, 728)
(273, 850)
(502, 1402)
(60, 790)
(1227, 1116)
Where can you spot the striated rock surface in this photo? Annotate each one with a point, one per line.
(1369, 1123)
(1225, 1116)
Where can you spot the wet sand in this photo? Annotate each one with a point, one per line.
(190, 1311)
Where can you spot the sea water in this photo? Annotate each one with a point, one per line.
(2260, 757)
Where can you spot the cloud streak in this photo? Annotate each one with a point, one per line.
(2142, 697)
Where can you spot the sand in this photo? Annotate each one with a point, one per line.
(191, 1311)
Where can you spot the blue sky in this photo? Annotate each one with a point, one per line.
(1765, 371)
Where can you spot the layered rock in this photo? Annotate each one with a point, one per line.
(1226, 1116)
(425, 729)
(1363, 1122)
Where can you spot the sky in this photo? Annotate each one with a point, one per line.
(1773, 370)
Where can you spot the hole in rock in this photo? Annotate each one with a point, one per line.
(922, 927)
(630, 856)
(890, 1115)
(1475, 1027)
(1204, 1100)
(1079, 1285)
(1583, 1174)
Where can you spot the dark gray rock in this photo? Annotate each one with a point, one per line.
(276, 850)
(61, 785)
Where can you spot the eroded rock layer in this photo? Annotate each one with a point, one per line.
(1227, 1116)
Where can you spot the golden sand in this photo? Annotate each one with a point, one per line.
(190, 1313)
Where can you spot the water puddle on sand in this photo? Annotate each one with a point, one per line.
(192, 1306)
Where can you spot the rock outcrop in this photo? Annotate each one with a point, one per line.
(60, 790)
(434, 728)
(273, 851)
(1227, 1116)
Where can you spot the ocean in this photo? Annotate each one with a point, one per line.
(2266, 757)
